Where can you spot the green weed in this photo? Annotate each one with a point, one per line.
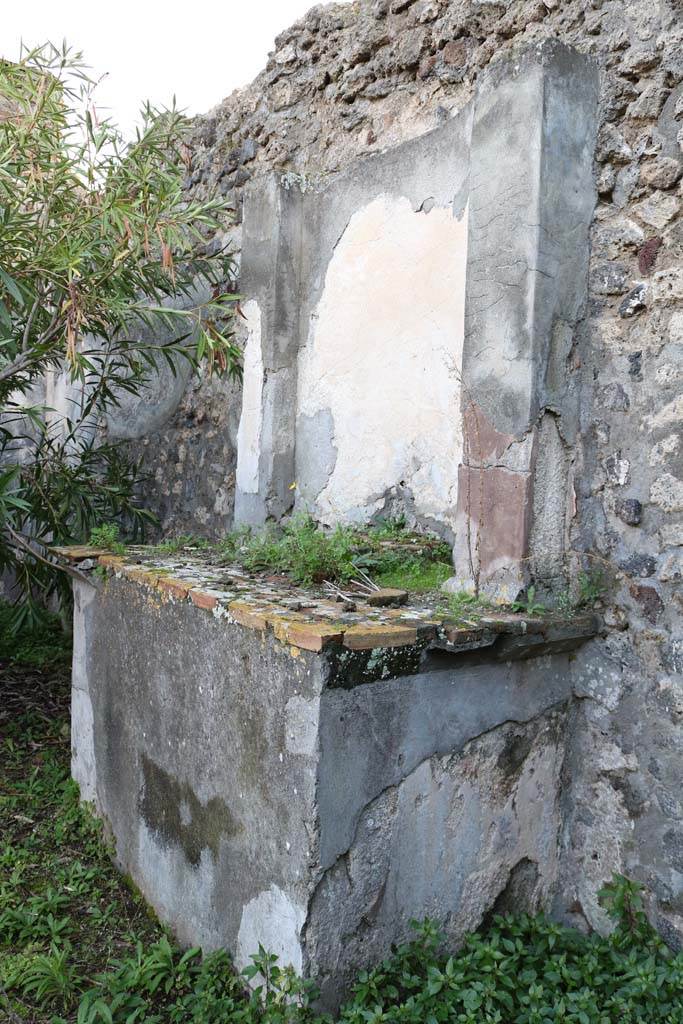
(107, 536)
(416, 575)
(528, 605)
(304, 550)
(389, 527)
(593, 586)
(465, 607)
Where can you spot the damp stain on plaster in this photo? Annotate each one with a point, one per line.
(176, 816)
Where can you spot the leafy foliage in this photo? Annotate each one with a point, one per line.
(418, 575)
(309, 553)
(529, 605)
(592, 586)
(46, 643)
(467, 608)
(527, 970)
(78, 945)
(184, 541)
(105, 277)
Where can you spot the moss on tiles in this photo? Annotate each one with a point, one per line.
(418, 576)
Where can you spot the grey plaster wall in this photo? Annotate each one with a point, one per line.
(515, 165)
(532, 197)
(458, 837)
(254, 799)
(412, 719)
(194, 767)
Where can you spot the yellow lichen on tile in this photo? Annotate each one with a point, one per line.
(382, 634)
(253, 616)
(172, 587)
(138, 574)
(78, 552)
(312, 636)
(109, 561)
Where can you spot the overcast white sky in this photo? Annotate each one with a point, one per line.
(198, 49)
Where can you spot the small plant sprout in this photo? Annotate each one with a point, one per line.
(529, 606)
(107, 536)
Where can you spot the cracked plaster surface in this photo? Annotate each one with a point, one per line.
(383, 356)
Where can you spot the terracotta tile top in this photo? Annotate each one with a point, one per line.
(79, 552)
(311, 620)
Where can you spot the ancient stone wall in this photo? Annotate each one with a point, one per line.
(355, 78)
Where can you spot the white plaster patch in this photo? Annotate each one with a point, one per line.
(384, 354)
(668, 373)
(611, 758)
(223, 499)
(182, 896)
(84, 595)
(676, 329)
(301, 725)
(598, 844)
(275, 921)
(671, 692)
(249, 431)
(83, 766)
(667, 493)
(600, 680)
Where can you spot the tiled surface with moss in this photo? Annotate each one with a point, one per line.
(312, 619)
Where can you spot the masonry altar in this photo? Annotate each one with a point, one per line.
(274, 769)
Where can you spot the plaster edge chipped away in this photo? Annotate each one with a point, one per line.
(83, 758)
(551, 500)
(273, 920)
(303, 183)
(525, 455)
(456, 751)
(302, 725)
(84, 595)
(249, 432)
(399, 499)
(457, 206)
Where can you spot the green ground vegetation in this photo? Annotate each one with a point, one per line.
(78, 944)
(44, 643)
